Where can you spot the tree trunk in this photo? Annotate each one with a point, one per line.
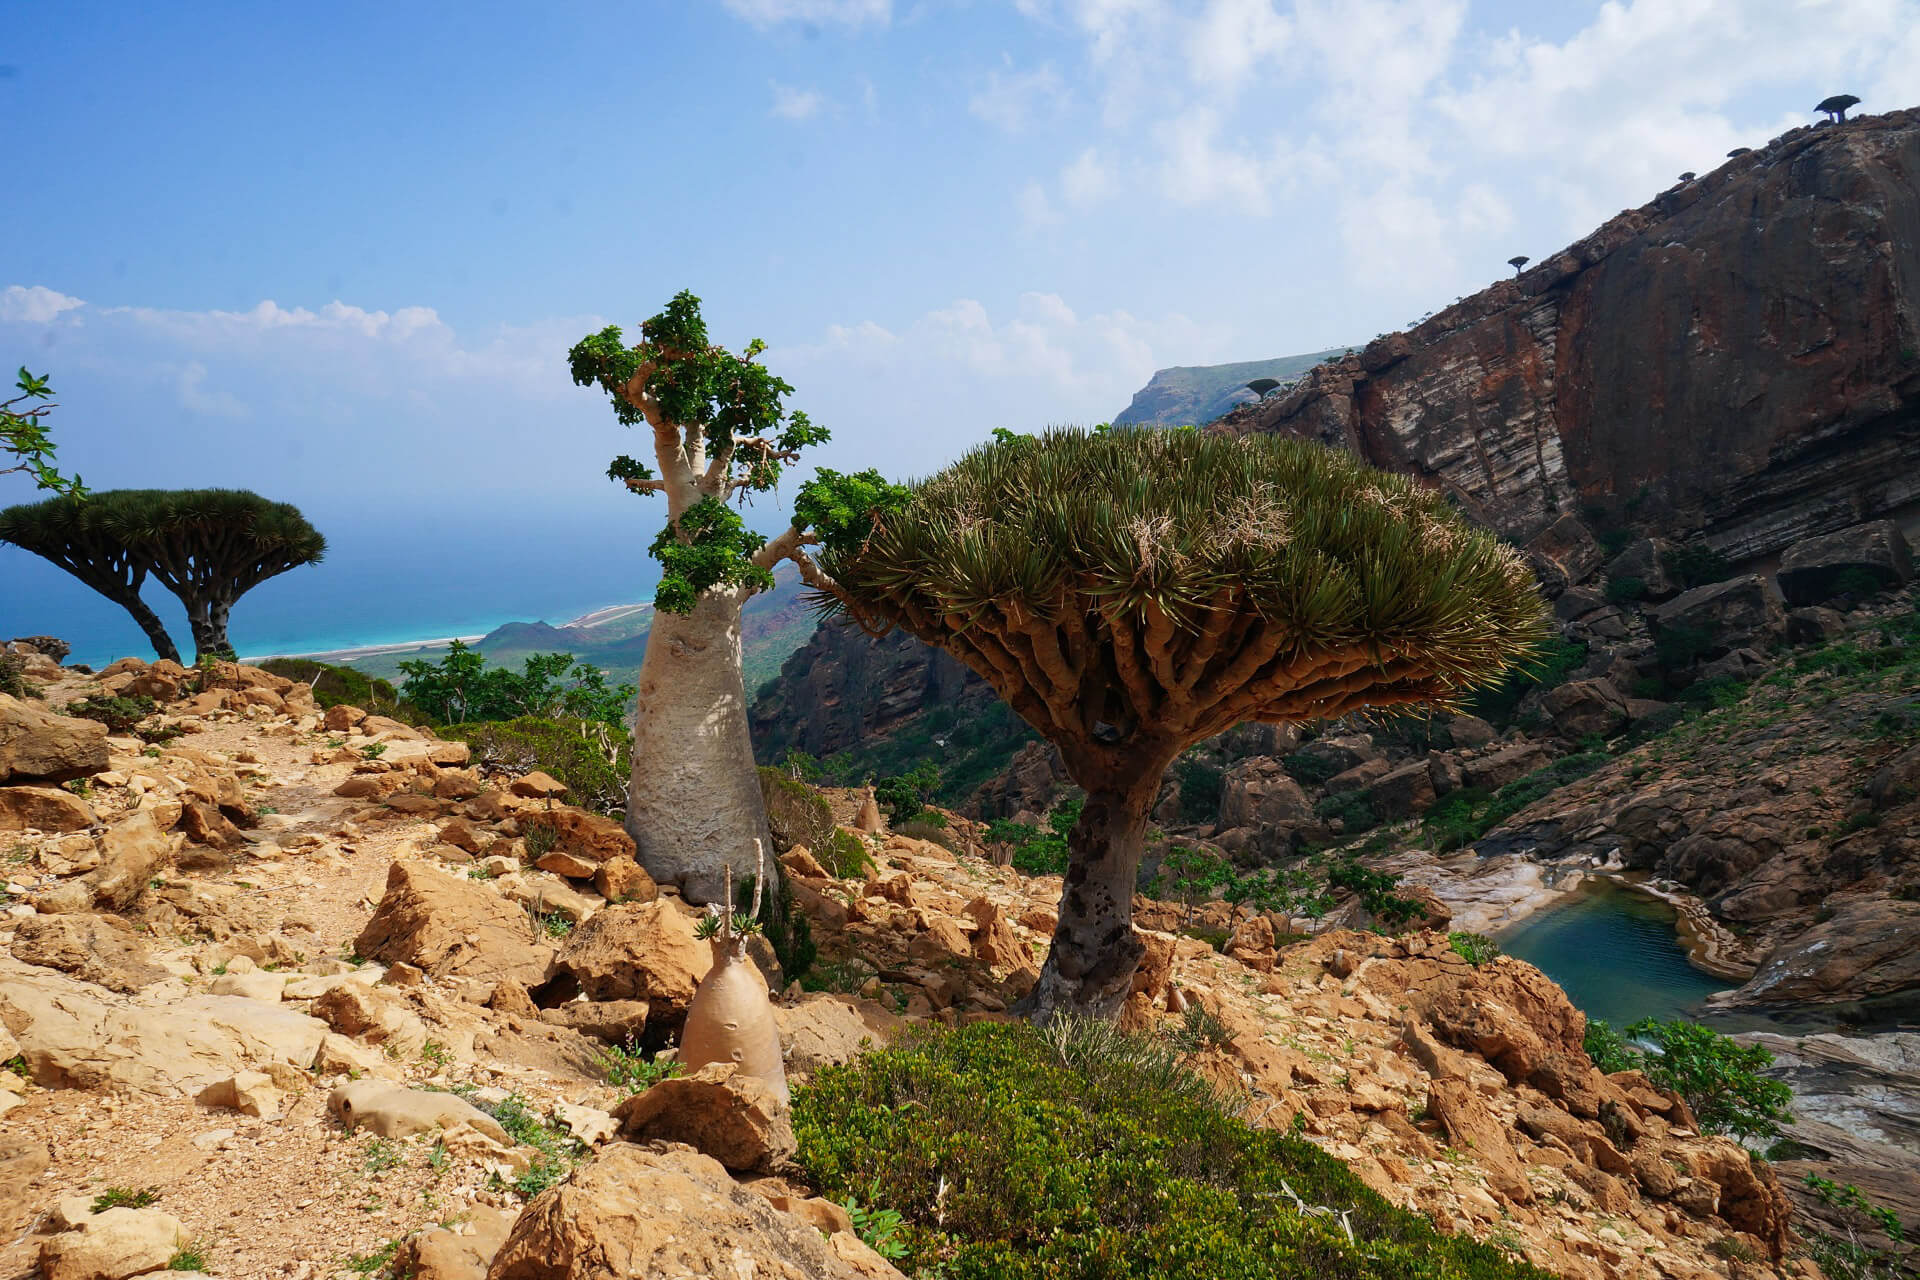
(208, 619)
(694, 805)
(163, 646)
(1089, 970)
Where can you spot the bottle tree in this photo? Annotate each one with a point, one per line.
(721, 431)
(207, 546)
(1133, 592)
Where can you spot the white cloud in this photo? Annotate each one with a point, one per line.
(851, 13)
(34, 304)
(1037, 208)
(1196, 168)
(195, 398)
(1015, 99)
(795, 104)
(1087, 181)
(1232, 38)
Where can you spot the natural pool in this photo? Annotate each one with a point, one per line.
(1614, 953)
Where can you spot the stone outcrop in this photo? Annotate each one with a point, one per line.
(448, 926)
(640, 1212)
(1814, 570)
(1640, 368)
(738, 1119)
(37, 746)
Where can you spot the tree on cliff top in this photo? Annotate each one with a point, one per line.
(721, 431)
(1131, 593)
(1835, 108)
(24, 435)
(207, 546)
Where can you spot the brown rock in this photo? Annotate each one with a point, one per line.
(587, 836)
(21, 1161)
(1813, 569)
(615, 1021)
(38, 746)
(868, 819)
(112, 1246)
(42, 808)
(639, 951)
(1738, 613)
(442, 1253)
(539, 785)
(462, 834)
(132, 852)
(103, 950)
(452, 927)
(621, 879)
(994, 940)
(824, 1029)
(570, 865)
(367, 786)
(1473, 1128)
(636, 1212)
(738, 1119)
(1581, 707)
(206, 825)
(1404, 792)
(342, 718)
(1497, 770)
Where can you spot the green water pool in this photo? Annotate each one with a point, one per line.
(1614, 953)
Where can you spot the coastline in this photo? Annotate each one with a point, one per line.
(350, 653)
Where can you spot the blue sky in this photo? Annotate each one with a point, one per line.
(336, 254)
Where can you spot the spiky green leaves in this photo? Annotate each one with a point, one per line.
(710, 547)
(1142, 579)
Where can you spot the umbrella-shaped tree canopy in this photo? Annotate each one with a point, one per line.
(1132, 592)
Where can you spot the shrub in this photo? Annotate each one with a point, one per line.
(1310, 768)
(336, 686)
(1679, 646)
(1475, 948)
(1354, 809)
(1854, 1258)
(904, 796)
(630, 1071)
(1037, 852)
(1695, 565)
(1719, 1079)
(13, 677)
(1858, 582)
(118, 714)
(846, 855)
(1081, 1151)
(796, 813)
(592, 758)
(1468, 814)
(1549, 668)
(1200, 783)
(1375, 889)
(462, 688)
(1625, 590)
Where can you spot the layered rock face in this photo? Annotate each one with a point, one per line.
(843, 687)
(1739, 358)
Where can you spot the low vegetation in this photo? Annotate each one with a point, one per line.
(1719, 1078)
(1011, 1153)
(590, 756)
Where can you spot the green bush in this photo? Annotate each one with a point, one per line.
(1549, 668)
(846, 855)
(1468, 814)
(462, 688)
(1200, 783)
(904, 796)
(1719, 1079)
(592, 758)
(1475, 948)
(1353, 808)
(13, 677)
(335, 686)
(1695, 565)
(1017, 1154)
(1376, 891)
(1625, 590)
(630, 1071)
(1310, 768)
(796, 813)
(1037, 852)
(118, 714)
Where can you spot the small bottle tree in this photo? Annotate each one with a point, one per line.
(721, 431)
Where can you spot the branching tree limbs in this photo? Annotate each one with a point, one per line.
(1133, 592)
(721, 433)
(207, 546)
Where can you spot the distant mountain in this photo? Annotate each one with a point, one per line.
(1197, 394)
(773, 625)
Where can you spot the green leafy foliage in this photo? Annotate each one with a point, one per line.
(844, 510)
(630, 1071)
(1376, 891)
(335, 686)
(13, 677)
(1354, 810)
(1854, 1257)
(195, 1255)
(1038, 852)
(125, 1198)
(119, 714)
(593, 758)
(1626, 590)
(1475, 948)
(1719, 1078)
(904, 796)
(1200, 782)
(878, 1229)
(1465, 815)
(845, 855)
(1017, 1154)
(23, 433)
(461, 688)
(1548, 668)
(1695, 565)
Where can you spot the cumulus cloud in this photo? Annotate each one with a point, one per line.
(851, 13)
(795, 104)
(1014, 99)
(34, 304)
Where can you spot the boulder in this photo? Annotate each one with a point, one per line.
(740, 1120)
(251, 1093)
(132, 852)
(1815, 570)
(38, 746)
(1564, 553)
(342, 718)
(1815, 625)
(1404, 792)
(1260, 793)
(614, 1021)
(94, 948)
(112, 1246)
(586, 836)
(639, 951)
(1505, 765)
(1582, 707)
(825, 1029)
(452, 928)
(43, 808)
(621, 879)
(1468, 731)
(462, 1252)
(1644, 560)
(22, 1160)
(75, 1036)
(394, 1111)
(640, 1212)
(1742, 612)
(1472, 1127)
(538, 785)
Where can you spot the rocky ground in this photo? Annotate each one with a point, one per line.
(244, 966)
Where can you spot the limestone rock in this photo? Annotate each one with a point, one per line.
(825, 1029)
(38, 746)
(113, 1245)
(621, 879)
(587, 836)
(131, 852)
(1472, 1127)
(251, 1093)
(452, 927)
(1814, 570)
(443, 1253)
(43, 808)
(738, 1119)
(94, 948)
(640, 951)
(393, 1111)
(615, 1021)
(21, 1161)
(538, 785)
(636, 1212)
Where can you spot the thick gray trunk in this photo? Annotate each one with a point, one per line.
(694, 805)
(1089, 970)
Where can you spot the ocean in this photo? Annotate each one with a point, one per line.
(388, 578)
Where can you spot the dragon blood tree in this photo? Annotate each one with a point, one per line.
(720, 432)
(1132, 592)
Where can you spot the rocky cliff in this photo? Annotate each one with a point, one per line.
(1188, 394)
(1738, 359)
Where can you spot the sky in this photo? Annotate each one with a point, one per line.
(336, 254)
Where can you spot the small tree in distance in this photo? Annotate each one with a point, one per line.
(1835, 108)
(721, 432)
(207, 546)
(1518, 262)
(1133, 592)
